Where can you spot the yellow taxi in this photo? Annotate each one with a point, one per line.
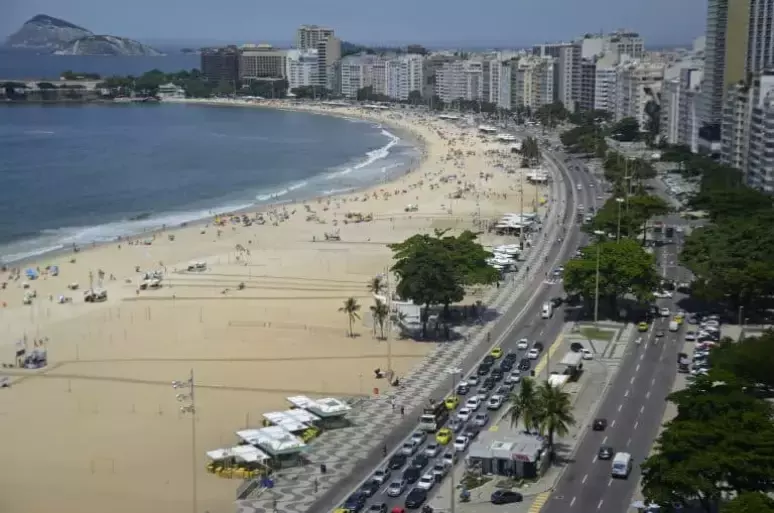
(642, 327)
(444, 436)
(497, 352)
(342, 510)
(679, 317)
(452, 402)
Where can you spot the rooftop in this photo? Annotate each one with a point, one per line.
(327, 407)
(274, 439)
(507, 444)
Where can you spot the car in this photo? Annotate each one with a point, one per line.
(488, 360)
(486, 387)
(662, 294)
(471, 432)
(525, 364)
(461, 443)
(420, 461)
(505, 497)
(415, 498)
(533, 354)
(692, 319)
(576, 347)
(411, 475)
(496, 375)
(600, 424)
(370, 488)
(444, 436)
(419, 437)
(397, 461)
(382, 475)
(643, 327)
(378, 508)
(396, 488)
(473, 381)
(495, 402)
(496, 353)
(355, 502)
(690, 336)
(506, 366)
(556, 302)
(452, 402)
(464, 414)
(483, 370)
(456, 424)
(473, 404)
(481, 419)
(660, 334)
(579, 187)
(513, 378)
(449, 458)
(409, 447)
(587, 355)
(504, 389)
(432, 449)
(440, 470)
(605, 452)
(427, 481)
(511, 357)
(664, 311)
(522, 344)
(462, 389)
(539, 346)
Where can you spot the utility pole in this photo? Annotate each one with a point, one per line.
(521, 210)
(618, 236)
(598, 233)
(389, 324)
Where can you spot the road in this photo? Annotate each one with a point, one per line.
(633, 407)
(531, 325)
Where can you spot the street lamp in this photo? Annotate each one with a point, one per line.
(189, 406)
(455, 372)
(599, 234)
(620, 202)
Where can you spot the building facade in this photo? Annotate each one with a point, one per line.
(637, 83)
(605, 80)
(460, 80)
(261, 62)
(587, 85)
(309, 36)
(301, 68)
(220, 64)
(403, 75)
(328, 56)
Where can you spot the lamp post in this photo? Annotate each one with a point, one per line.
(620, 202)
(189, 406)
(455, 372)
(599, 234)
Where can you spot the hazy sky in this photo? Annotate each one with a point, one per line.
(502, 22)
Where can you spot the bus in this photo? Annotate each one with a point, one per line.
(434, 416)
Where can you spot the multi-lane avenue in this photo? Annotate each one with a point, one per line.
(579, 188)
(633, 407)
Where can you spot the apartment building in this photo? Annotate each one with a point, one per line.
(328, 55)
(301, 68)
(460, 80)
(220, 64)
(492, 79)
(624, 43)
(309, 36)
(605, 76)
(403, 75)
(679, 122)
(261, 62)
(637, 83)
(568, 75)
(356, 72)
(587, 85)
(530, 82)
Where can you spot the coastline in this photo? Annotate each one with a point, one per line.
(110, 364)
(255, 207)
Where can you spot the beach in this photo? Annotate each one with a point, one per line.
(100, 426)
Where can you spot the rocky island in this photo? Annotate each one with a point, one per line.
(47, 34)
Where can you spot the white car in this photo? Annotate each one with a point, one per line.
(513, 378)
(662, 294)
(396, 488)
(461, 443)
(426, 482)
(481, 419)
(464, 414)
(495, 402)
(382, 475)
(522, 344)
(664, 311)
(473, 381)
(432, 450)
(449, 458)
(440, 470)
(533, 354)
(690, 336)
(587, 355)
(580, 187)
(473, 404)
(419, 437)
(409, 448)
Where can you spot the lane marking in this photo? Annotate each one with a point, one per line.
(583, 481)
(539, 502)
(572, 501)
(620, 407)
(629, 441)
(610, 483)
(642, 356)
(604, 440)
(626, 394)
(647, 395)
(612, 424)
(636, 424)
(631, 381)
(601, 501)
(637, 369)
(652, 381)
(642, 409)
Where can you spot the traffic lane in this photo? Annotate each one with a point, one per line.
(584, 479)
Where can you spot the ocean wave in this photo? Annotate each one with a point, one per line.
(371, 156)
(282, 192)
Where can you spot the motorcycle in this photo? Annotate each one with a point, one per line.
(464, 496)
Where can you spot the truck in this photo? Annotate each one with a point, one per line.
(622, 465)
(434, 416)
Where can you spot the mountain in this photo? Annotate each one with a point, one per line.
(107, 45)
(45, 33)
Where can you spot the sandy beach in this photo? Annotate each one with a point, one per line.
(100, 428)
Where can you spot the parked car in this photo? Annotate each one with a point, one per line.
(416, 498)
(506, 497)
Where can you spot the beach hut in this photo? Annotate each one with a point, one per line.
(331, 411)
(283, 448)
(241, 461)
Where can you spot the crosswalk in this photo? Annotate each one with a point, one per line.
(539, 502)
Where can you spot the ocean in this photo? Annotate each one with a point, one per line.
(77, 174)
(15, 65)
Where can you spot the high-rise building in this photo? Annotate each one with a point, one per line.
(328, 54)
(460, 80)
(605, 76)
(220, 64)
(568, 75)
(587, 85)
(309, 36)
(301, 68)
(356, 73)
(637, 83)
(261, 62)
(403, 75)
(624, 43)
(679, 118)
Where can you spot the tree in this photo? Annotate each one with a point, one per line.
(415, 97)
(627, 129)
(624, 268)
(749, 502)
(523, 405)
(749, 360)
(633, 217)
(351, 309)
(380, 312)
(554, 411)
(645, 207)
(376, 285)
(530, 150)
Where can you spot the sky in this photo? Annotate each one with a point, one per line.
(432, 22)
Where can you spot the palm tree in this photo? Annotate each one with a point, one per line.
(380, 311)
(351, 308)
(524, 406)
(376, 285)
(555, 412)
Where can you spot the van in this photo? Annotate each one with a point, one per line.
(548, 310)
(622, 465)
(674, 326)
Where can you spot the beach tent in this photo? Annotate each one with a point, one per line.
(31, 273)
(53, 270)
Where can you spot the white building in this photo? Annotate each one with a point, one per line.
(679, 105)
(460, 80)
(605, 87)
(301, 68)
(403, 74)
(309, 36)
(637, 83)
(356, 73)
(170, 91)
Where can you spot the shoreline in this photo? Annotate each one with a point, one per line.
(415, 140)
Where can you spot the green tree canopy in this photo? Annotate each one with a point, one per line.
(627, 129)
(749, 502)
(750, 360)
(625, 268)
